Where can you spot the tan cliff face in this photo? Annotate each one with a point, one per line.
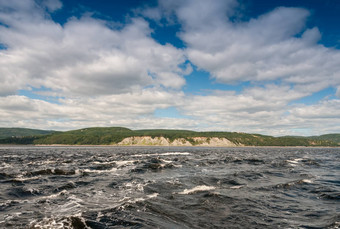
(161, 141)
(204, 141)
(145, 140)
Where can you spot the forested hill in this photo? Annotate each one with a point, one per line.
(328, 137)
(21, 132)
(125, 136)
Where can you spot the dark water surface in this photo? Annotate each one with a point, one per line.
(164, 187)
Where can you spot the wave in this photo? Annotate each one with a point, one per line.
(86, 171)
(305, 161)
(151, 187)
(24, 192)
(5, 176)
(57, 171)
(199, 188)
(330, 196)
(140, 199)
(69, 222)
(153, 164)
(292, 184)
(163, 154)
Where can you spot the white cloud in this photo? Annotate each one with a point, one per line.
(263, 110)
(338, 92)
(249, 112)
(262, 49)
(52, 5)
(102, 75)
(320, 118)
(133, 110)
(324, 109)
(256, 110)
(275, 47)
(107, 76)
(83, 57)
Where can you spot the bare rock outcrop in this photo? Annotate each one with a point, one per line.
(161, 141)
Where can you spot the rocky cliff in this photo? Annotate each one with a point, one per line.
(161, 141)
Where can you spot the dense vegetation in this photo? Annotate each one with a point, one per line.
(328, 137)
(87, 136)
(21, 132)
(114, 135)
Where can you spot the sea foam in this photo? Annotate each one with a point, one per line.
(199, 188)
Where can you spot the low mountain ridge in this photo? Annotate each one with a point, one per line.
(329, 137)
(163, 137)
(22, 132)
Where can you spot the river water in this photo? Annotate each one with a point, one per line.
(169, 187)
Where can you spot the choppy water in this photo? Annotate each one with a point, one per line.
(162, 187)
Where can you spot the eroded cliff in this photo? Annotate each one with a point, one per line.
(161, 141)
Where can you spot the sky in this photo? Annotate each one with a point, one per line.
(255, 66)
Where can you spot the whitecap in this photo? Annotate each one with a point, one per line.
(122, 163)
(307, 181)
(103, 163)
(294, 162)
(140, 199)
(135, 186)
(163, 154)
(21, 178)
(175, 153)
(236, 187)
(61, 193)
(199, 188)
(166, 161)
(4, 165)
(100, 171)
(10, 202)
(58, 222)
(153, 195)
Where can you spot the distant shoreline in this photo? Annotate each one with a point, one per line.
(121, 136)
(151, 146)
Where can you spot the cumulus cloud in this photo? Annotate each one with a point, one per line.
(126, 109)
(102, 75)
(263, 110)
(83, 57)
(274, 46)
(52, 5)
(99, 75)
(323, 117)
(257, 109)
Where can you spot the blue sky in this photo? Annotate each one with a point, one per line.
(270, 67)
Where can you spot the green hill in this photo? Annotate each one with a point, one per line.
(87, 136)
(21, 132)
(328, 137)
(114, 135)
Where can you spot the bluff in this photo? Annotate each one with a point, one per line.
(161, 141)
(121, 136)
